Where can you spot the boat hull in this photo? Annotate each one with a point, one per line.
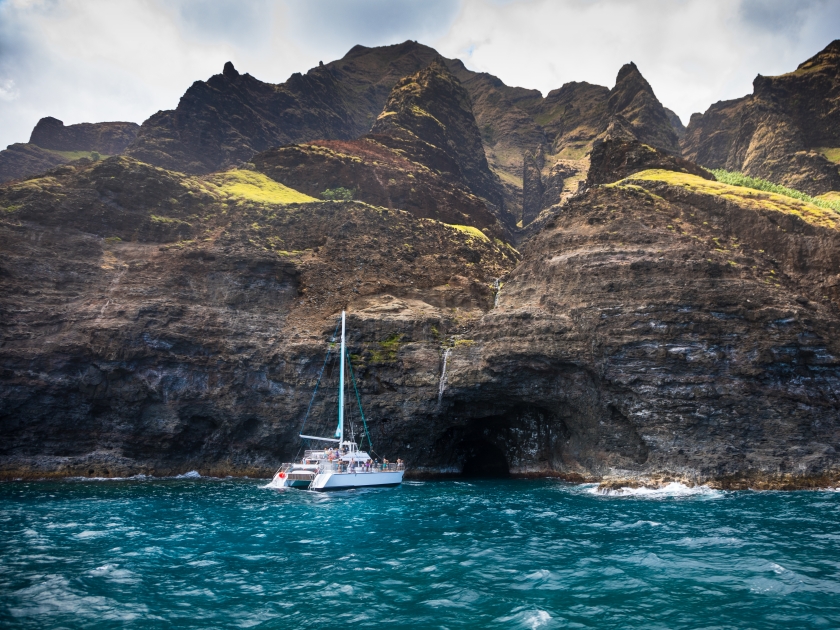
(328, 481)
(295, 479)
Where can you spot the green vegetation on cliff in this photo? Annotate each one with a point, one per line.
(253, 186)
(745, 197)
(76, 155)
(337, 194)
(739, 179)
(469, 230)
(831, 153)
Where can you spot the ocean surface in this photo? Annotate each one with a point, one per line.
(225, 553)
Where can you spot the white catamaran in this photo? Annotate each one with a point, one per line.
(342, 466)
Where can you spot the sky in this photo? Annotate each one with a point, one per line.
(101, 60)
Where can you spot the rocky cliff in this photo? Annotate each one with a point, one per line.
(108, 138)
(657, 324)
(577, 115)
(152, 321)
(52, 143)
(786, 131)
(423, 154)
(664, 325)
(227, 119)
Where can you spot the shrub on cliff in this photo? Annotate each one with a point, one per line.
(338, 194)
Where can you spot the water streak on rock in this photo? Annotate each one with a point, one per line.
(442, 384)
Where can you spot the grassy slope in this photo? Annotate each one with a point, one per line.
(470, 231)
(744, 197)
(75, 155)
(252, 186)
(831, 153)
(739, 179)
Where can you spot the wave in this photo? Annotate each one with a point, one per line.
(671, 490)
(523, 618)
(140, 477)
(193, 474)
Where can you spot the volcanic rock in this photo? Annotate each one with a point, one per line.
(51, 144)
(107, 138)
(152, 321)
(423, 155)
(433, 107)
(226, 120)
(666, 324)
(633, 99)
(616, 158)
(532, 186)
(782, 132)
(22, 160)
(676, 123)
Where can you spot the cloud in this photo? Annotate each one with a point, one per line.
(693, 52)
(332, 27)
(96, 60)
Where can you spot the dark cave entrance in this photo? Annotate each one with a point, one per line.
(483, 459)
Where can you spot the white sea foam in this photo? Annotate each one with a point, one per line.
(193, 474)
(274, 484)
(525, 618)
(140, 477)
(113, 573)
(673, 489)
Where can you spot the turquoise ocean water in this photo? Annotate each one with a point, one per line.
(203, 553)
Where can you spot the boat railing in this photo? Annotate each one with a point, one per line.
(343, 467)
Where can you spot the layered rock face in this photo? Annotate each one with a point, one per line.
(153, 321)
(663, 325)
(782, 132)
(656, 325)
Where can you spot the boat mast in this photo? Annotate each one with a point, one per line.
(341, 386)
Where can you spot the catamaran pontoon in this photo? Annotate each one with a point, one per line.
(344, 466)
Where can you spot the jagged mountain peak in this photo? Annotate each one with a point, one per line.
(431, 105)
(633, 99)
(229, 71)
(627, 70)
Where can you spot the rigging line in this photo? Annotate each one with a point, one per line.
(359, 400)
(320, 375)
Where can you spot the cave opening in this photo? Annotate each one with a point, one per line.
(484, 459)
